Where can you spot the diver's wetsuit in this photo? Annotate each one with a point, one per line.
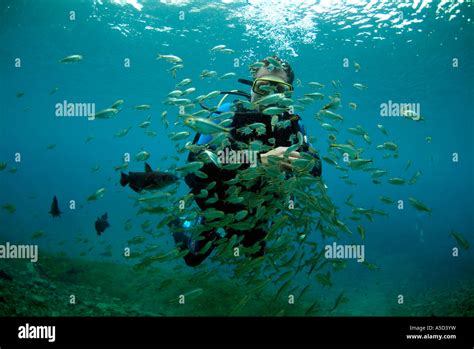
(241, 118)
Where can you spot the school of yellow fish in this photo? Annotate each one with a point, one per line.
(298, 209)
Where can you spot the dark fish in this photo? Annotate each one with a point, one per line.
(101, 224)
(55, 212)
(5, 276)
(149, 179)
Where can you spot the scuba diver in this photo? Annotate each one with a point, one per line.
(267, 78)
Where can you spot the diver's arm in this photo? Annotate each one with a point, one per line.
(307, 148)
(279, 152)
(285, 163)
(318, 168)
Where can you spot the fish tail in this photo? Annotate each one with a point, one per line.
(123, 179)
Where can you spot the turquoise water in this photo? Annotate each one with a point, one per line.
(408, 52)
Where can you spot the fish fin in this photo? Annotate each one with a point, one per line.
(148, 168)
(135, 188)
(123, 179)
